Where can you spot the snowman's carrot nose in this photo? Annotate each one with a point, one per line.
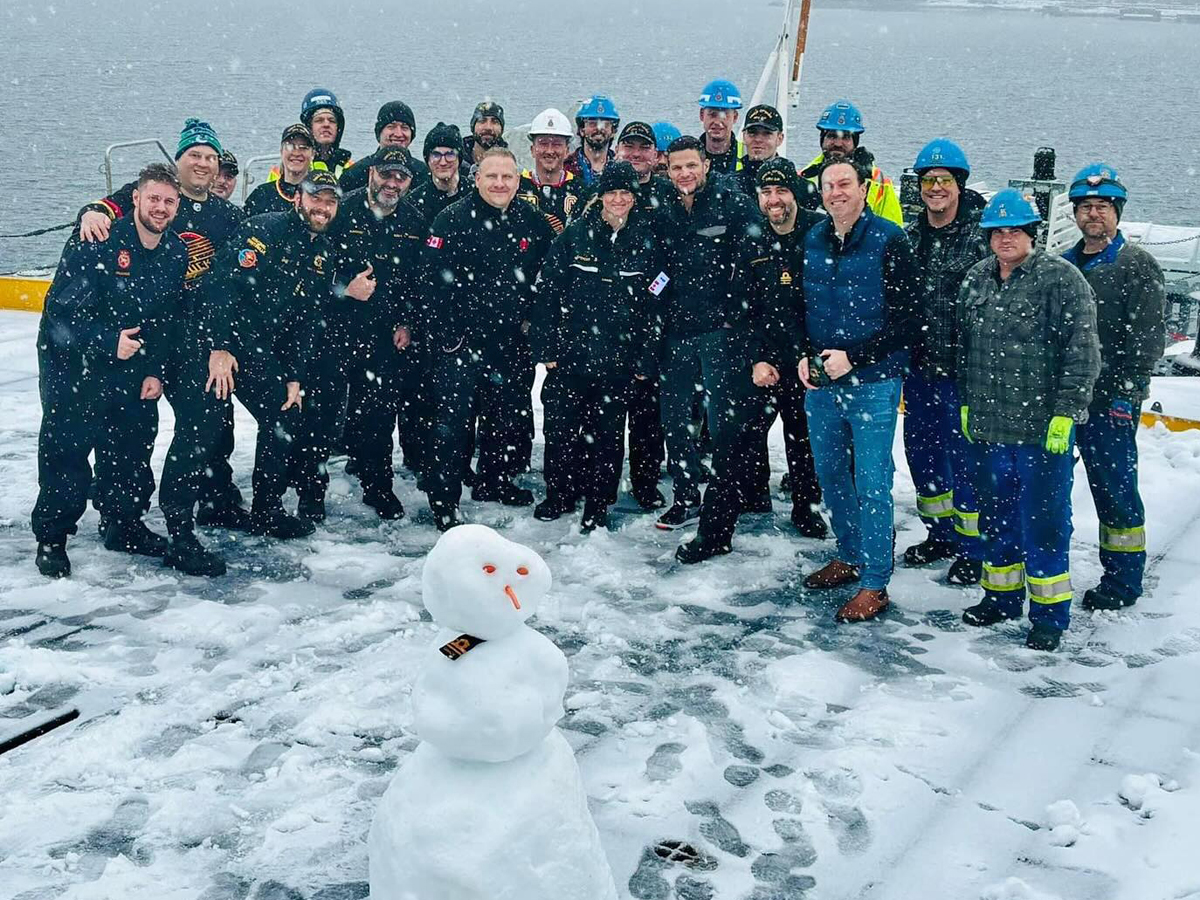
(512, 595)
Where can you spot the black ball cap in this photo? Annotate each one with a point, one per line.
(637, 131)
(298, 133)
(392, 160)
(318, 180)
(763, 116)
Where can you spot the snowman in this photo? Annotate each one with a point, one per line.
(490, 805)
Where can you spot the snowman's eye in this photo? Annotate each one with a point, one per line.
(521, 570)
(489, 568)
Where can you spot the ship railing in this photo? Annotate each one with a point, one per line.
(122, 145)
(248, 178)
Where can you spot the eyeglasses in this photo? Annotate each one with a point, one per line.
(928, 181)
(443, 155)
(548, 142)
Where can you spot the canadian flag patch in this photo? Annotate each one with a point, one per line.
(435, 242)
(523, 244)
(659, 284)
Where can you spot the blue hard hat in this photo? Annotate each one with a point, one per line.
(720, 94)
(664, 133)
(321, 98)
(942, 153)
(599, 107)
(841, 115)
(1097, 180)
(1008, 209)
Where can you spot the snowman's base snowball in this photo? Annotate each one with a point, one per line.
(449, 829)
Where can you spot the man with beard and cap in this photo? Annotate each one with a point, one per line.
(710, 233)
(549, 186)
(1130, 294)
(377, 239)
(205, 222)
(443, 153)
(487, 131)
(596, 124)
(762, 136)
(719, 103)
(596, 329)
(260, 307)
(948, 242)
(841, 129)
(395, 128)
(324, 117)
(297, 150)
(225, 182)
(780, 302)
(481, 261)
(103, 343)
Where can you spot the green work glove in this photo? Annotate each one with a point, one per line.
(964, 413)
(1058, 435)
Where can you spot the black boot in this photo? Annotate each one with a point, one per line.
(698, 550)
(1043, 637)
(311, 507)
(385, 503)
(1100, 597)
(278, 524)
(502, 491)
(132, 536)
(52, 559)
(965, 572)
(189, 556)
(680, 515)
(988, 612)
(229, 515)
(809, 522)
(928, 551)
(649, 497)
(552, 508)
(595, 515)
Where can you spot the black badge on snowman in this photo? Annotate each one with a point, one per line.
(460, 646)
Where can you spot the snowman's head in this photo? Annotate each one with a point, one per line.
(479, 583)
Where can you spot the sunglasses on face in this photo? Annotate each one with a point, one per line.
(928, 181)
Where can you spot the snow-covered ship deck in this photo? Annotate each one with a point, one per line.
(234, 734)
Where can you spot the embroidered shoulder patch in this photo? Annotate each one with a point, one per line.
(124, 260)
(247, 258)
(257, 245)
(435, 242)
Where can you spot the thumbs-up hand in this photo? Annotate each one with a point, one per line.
(363, 284)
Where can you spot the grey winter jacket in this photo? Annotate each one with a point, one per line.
(944, 255)
(1130, 294)
(1027, 348)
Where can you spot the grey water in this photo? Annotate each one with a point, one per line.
(77, 75)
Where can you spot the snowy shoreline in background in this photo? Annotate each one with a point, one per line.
(236, 734)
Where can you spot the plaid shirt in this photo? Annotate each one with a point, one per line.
(1028, 348)
(945, 255)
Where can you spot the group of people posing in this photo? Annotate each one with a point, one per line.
(686, 290)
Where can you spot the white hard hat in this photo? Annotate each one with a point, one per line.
(551, 121)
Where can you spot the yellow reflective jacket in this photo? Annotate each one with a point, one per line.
(881, 193)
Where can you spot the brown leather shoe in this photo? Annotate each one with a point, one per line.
(835, 574)
(864, 605)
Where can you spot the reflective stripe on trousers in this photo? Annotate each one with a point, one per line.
(1123, 540)
(938, 507)
(1055, 589)
(1003, 578)
(966, 523)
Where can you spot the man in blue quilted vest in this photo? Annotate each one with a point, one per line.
(861, 285)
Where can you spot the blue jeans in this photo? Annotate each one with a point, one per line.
(1108, 446)
(859, 420)
(1025, 514)
(943, 472)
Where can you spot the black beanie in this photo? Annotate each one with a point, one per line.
(394, 111)
(443, 135)
(782, 172)
(618, 175)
